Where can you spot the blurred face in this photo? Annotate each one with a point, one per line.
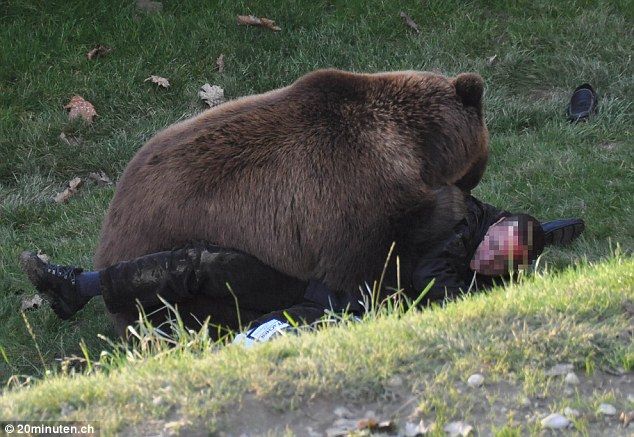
(500, 249)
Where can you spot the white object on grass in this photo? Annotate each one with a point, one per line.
(260, 333)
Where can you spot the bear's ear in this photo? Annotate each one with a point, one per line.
(469, 88)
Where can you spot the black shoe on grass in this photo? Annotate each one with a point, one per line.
(583, 103)
(56, 283)
(562, 232)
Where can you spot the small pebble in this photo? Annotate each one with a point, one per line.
(571, 378)
(559, 370)
(475, 380)
(67, 409)
(370, 414)
(395, 381)
(571, 412)
(411, 430)
(606, 409)
(341, 427)
(455, 429)
(414, 430)
(342, 412)
(555, 421)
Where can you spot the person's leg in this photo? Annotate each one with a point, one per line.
(201, 270)
(177, 276)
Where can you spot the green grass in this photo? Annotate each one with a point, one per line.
(539, 162)
(511, 335)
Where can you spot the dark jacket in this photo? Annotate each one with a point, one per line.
(448, 261)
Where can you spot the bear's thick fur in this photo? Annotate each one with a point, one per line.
(316, 179)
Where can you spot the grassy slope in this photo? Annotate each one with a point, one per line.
(539, 162)
(511, 335)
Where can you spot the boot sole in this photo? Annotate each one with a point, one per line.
(564, 235)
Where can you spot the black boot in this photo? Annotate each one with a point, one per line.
(562, 232)
(57, 283)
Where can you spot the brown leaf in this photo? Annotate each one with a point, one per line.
(252, 20)
(212, 95)
(368, 423)
(626, 418)
(409, 22)
(70, 140)
(73, 186)
(161, 81)
(220, 63)
(78, 107)
(149, 6)
(98, 51)
(101, 178)
(31, 302)
(371, 424)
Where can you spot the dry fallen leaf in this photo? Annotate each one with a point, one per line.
(161, 81)
(212, 95)
(31, 302)
(220, 63)
(78, 107)
(409, 22)
(608, 146)
(149, 6)
(371, 424)
(626, 418)
(98, 50)
(252, 20)
(101, 178)
(70, 140)
(41, 255)
(73, 186)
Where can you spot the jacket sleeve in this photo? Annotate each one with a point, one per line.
(448, 261)
(448, 276)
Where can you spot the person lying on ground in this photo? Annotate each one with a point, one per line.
(485, 246)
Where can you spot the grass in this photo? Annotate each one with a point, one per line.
(511, 336)
(539, 162)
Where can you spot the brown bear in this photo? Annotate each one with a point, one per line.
(316, 179)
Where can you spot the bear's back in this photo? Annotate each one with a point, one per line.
(275, 175)
(313, 179)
